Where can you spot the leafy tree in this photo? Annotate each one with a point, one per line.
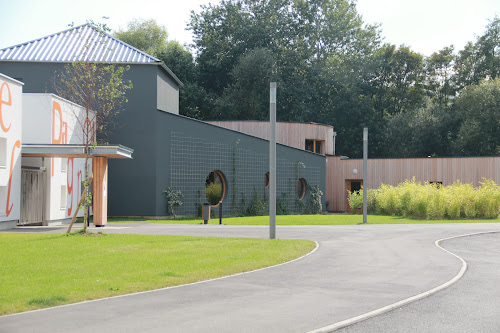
(478, 107)
(173, 200)
(439, 68)
(480, 60)
(400, 80)
(248, 96)
(319, 51)
(428, 131)
(146, 35)
(97, 87)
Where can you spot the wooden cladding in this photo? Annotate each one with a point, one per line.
(395, 171)
(289, 134)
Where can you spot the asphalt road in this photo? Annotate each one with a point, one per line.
(356, 269)
(470, 305)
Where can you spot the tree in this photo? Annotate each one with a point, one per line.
(146, 35)
(439, 68)
(428, 131)
(478, 107)
(248, 96)
(400, 80)
(173, 200)
(317, 48)
(99, 88)
(480, 60)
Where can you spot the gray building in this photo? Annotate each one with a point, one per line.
(170, 150)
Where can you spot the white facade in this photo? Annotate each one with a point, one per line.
(49, 119)
(11, 105)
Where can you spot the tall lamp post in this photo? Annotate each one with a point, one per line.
(272, 162)
(365, 173)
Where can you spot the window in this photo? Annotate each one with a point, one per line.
(300, 188)
(437, 184)
(64, 164)
(3, 152)
(215, 188)
(63, 196)
(3, 192)
(316, 146)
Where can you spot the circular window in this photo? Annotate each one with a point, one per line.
(266, 179)
(300, 188)
(215, 188)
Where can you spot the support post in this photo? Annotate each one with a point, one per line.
(100, 195)
(272, 162)
(365, 173)
(220, 212)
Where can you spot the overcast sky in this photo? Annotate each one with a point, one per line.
(425, 25)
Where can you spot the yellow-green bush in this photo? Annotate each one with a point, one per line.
(355, 200)
(433, 201)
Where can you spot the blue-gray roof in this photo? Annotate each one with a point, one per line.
(81, 43)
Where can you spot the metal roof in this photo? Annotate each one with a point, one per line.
(81, 43)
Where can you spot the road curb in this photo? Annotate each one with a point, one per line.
(371, 314)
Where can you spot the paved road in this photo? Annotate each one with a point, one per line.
(470, 305)
(356, 269)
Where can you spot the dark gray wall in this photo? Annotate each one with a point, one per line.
(176, 151)
(188, 150)
(131, 182)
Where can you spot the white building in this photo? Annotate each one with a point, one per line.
(11, 104)
(49, 119)
(42, 158)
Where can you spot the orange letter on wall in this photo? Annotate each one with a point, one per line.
(79, 180)
(9, 103)
(64, 138)
(7, 208)
(70, 187)
(56, 107)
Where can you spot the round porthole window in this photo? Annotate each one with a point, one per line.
(215, 188)
(300, 188)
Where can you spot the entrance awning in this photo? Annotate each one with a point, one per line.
(75, 151)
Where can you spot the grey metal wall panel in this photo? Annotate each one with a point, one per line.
(167, 93)
(135, 177)
(189, 150)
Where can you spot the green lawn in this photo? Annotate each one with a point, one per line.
(41, 270)
(329, 219)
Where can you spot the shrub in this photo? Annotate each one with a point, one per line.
(387, 200)
(371, 200)
(453, 200)
(355, 200)
(282, 204)
(314, 205)
(434, 201)
(173, 200)
(213, 192)
(257, 207)
(488, 199)
(437, 202)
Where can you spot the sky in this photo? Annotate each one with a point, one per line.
(425, 25)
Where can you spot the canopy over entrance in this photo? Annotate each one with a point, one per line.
(75, 151)
(99, 155)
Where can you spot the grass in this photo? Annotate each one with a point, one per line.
(327, 219)
(43, 270)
